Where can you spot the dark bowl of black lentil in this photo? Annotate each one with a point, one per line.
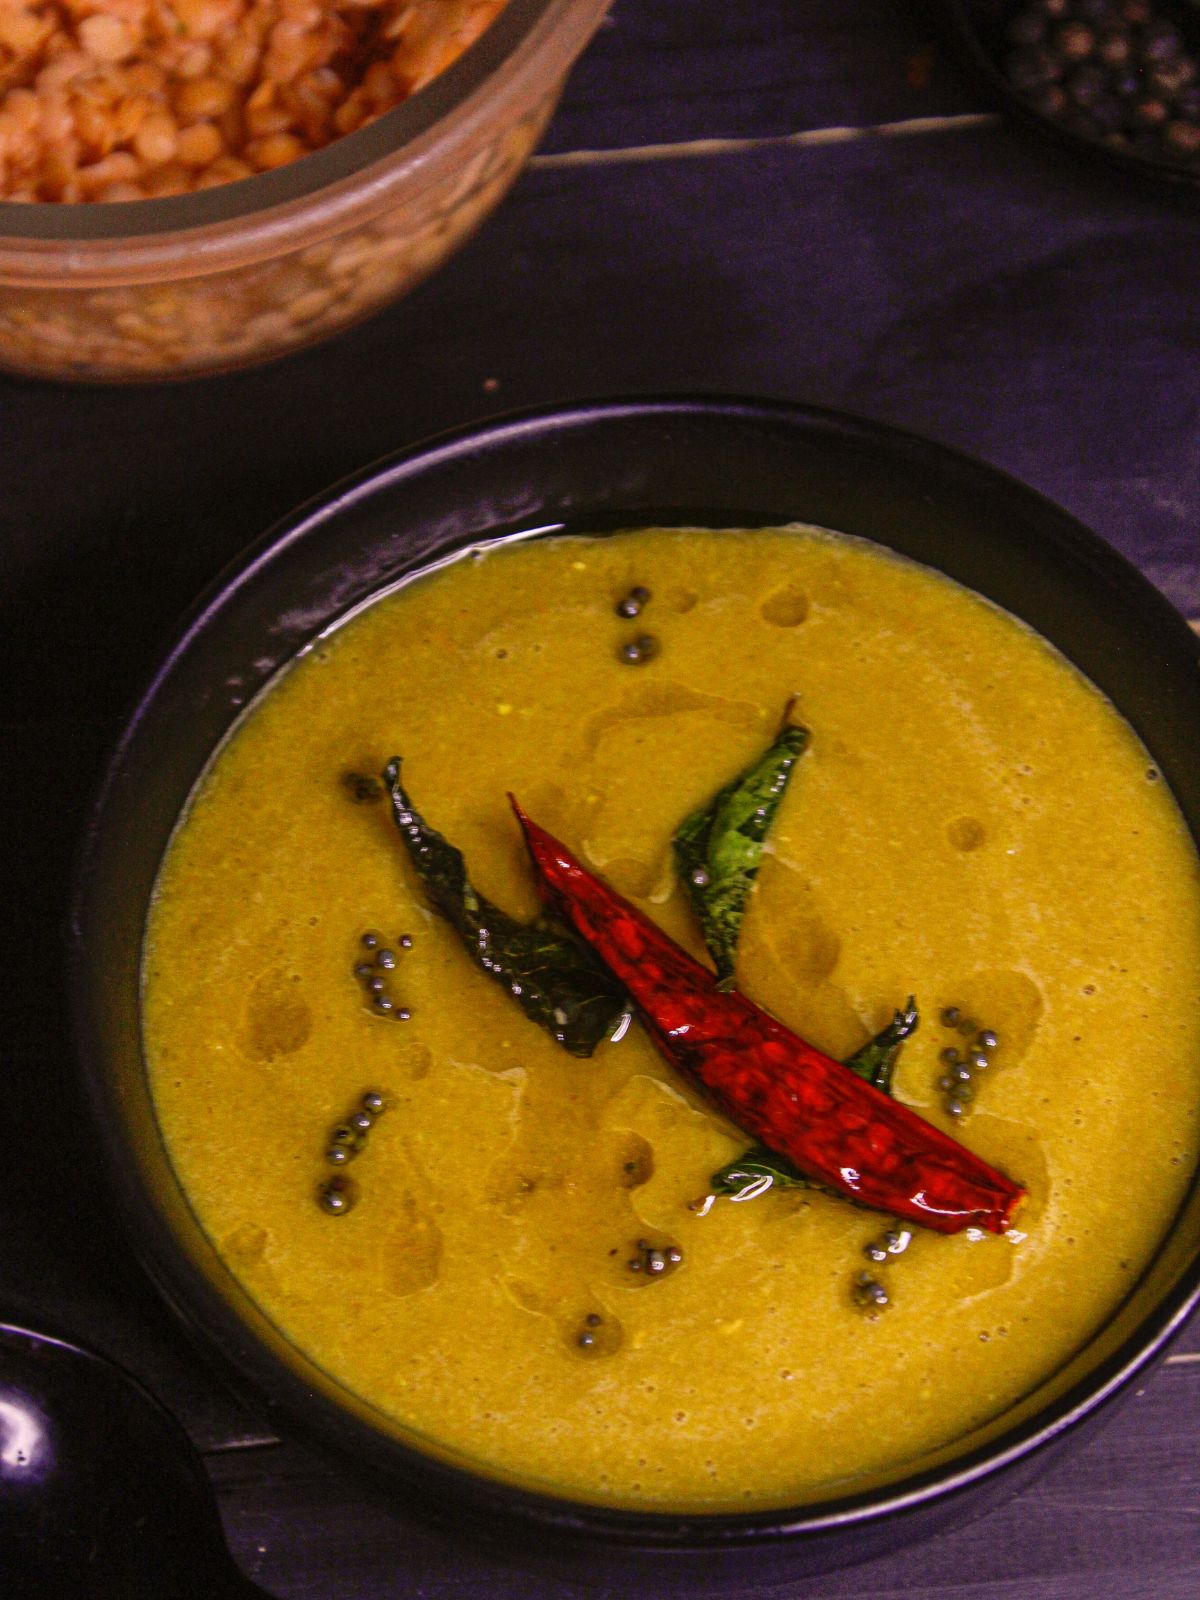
(597, 468)
(1119, 79)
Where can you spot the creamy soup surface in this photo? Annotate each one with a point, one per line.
(972, 824)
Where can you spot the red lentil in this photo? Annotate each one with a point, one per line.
(128, 99)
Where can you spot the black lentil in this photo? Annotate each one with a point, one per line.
(1161, 41)
(1172, 77)
(631, 604)
(346, 1141)
(955, 1083)
(1050, 100)
(374, 975)
(336, 1196)
(655, 1260)
(868, 1292)
(1147, 112)
(1183, 138)
(640, 650)
(1117, 73)
(1074, 41)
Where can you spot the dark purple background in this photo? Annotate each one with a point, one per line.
(956, 278)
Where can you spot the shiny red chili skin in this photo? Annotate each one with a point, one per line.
(781, 1090)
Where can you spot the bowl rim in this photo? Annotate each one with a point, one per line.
(359, 172)
(245, 1360)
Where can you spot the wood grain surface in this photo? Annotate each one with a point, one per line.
(798, 198)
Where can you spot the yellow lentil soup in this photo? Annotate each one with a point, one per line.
(972, 824)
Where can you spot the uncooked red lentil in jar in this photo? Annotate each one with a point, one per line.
(137, 99)
(220, 319)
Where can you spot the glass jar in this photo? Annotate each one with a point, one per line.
(225, 277)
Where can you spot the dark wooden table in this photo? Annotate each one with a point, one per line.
(797, 198)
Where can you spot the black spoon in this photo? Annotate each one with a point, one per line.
(102, 1494)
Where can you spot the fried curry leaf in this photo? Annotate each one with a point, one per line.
(718, 848)
(558, 983)
(754, 1172)
(876, 1060)
(759, 1169)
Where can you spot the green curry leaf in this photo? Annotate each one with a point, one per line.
(718, 847)
(759, 1169)
(558, 983)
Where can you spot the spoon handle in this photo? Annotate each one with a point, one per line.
(102, 1494)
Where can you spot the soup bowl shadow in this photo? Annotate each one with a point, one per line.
(593, 468)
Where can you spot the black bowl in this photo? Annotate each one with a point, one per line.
(976, 30)
(592, 468)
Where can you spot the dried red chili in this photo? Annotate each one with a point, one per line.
(778, 1088)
